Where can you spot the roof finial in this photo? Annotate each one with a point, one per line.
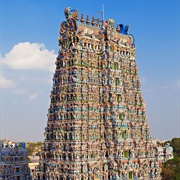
(82, 18)
(87, 20)
(93, 23)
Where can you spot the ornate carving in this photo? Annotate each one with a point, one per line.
(124, 29)
(71, 13)
(68, 26)
(97, 114)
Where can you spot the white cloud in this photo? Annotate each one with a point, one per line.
(6, 83)
(33, 96)
(21, 91)
(164, 87)
(30, 56)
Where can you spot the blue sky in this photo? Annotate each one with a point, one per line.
(28, 48)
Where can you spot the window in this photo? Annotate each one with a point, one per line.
(64, 157)
(115, 66)
(120, 116)
(130, 175)
(124, 134)
(118, 98)
(126, 154)
(117, 82)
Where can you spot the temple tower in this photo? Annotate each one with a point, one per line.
(97, 126)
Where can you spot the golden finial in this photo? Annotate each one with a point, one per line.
(87, 20)
(82, 18)
(98, 22)
(93, 22)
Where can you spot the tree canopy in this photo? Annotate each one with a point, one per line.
(33, 148)
(171, 168)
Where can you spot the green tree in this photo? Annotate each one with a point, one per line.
(175, 143)
(171, 168)
(33, 148)
(167, 174)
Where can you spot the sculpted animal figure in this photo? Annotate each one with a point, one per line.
(123, 29)
(68, 12)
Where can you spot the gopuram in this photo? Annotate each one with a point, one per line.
(13, 161)
(97, 127)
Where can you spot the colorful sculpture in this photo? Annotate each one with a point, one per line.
(97, 127)
(13, 161)
(70, 13)
(124, 29)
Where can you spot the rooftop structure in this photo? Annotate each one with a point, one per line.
(163, 149)
(97, 127)
(13, 161)
(34, 162)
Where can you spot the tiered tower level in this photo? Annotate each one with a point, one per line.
(97, 126)
(13, 161)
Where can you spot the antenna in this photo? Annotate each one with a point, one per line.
(103, 12)
(98, 12)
